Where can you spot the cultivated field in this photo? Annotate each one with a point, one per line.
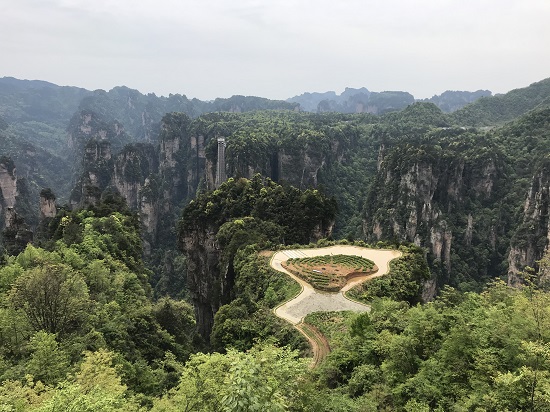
(329, 272)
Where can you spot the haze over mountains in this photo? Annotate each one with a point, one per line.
(42, 114)
(159, 152)
(362, 100)
(41, 120)
(114, 202)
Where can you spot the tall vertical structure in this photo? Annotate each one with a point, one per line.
(220, 171)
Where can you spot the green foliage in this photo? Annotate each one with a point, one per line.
(90, 292)
(426, 114)
(411, 175)
(257, 281)
(467, 351)
(266, 378)
(404, 281)
(53, 298)
(297, 213)
(238, 233)
(489, 111)
(249, 318)
(48, 363)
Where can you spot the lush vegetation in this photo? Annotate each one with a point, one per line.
(249, 317)
(404, 282)
(84, 301)
(218, 224)
(467, 351)
(296, 212)
(87, 324)
(504, 108)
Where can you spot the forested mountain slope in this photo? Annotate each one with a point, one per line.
(128, 305)
(415, 175)
(59, 120)
(496, 110)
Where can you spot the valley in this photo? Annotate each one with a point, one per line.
(161, 233)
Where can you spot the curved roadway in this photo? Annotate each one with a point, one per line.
(311, 300)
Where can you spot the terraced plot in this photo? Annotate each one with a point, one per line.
(311, 300)
(329, 272)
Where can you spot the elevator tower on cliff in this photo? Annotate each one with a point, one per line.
(220, 171)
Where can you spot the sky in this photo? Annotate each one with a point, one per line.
(277, 48)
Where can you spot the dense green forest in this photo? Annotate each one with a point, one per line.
(105, 346)
(140, 283)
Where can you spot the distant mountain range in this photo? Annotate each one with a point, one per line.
(396, 174)
(44, 127)
(364, 101)
(41, 100)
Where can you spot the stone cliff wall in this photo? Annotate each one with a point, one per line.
(206, 280)
(48, 207)
(8, 189)
(152, 179)
(419, 196)
(532, 238)
(15, 209)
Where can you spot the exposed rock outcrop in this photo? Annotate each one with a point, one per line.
(16, 234)
(208, 283)
(532, 238)
(8, 188)
(48, 208)
(14, 208)
(426, 197)
(86, 125)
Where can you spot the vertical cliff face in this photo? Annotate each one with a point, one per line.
(96, 173)
(14, 209)
(87, 125)
(177, 152)
(206, 280)
(48, 208)
(150, 209)
(14, 195)
(8, 188)
(532, 238)
(132, 166)
(152, 179)
(133, 176)
(300, 169)
(133, 173)
(406, 210)
(433, 197)
(198, 165)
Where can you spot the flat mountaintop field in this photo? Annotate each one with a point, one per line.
(329, 272)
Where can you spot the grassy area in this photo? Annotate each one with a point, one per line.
(333, 325)
(279, 288)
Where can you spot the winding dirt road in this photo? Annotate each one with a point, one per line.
(310, 300)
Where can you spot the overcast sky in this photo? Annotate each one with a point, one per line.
(277, 48)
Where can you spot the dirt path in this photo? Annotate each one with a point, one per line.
(319, 343)
(310, 300)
